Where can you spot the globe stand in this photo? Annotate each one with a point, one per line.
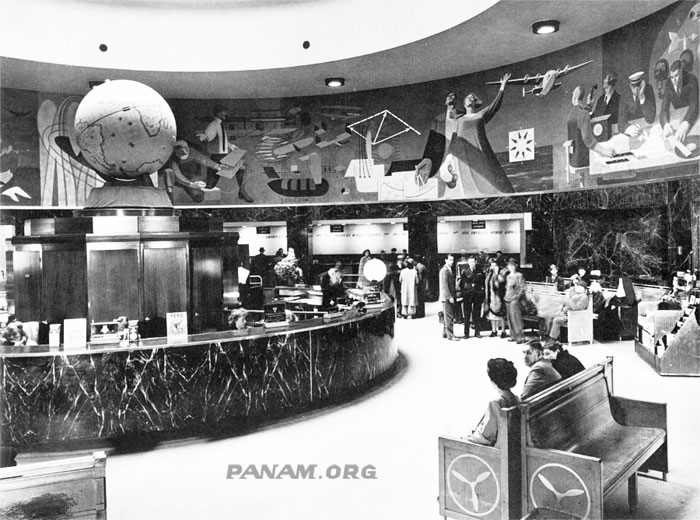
(125, 197)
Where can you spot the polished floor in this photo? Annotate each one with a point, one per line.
(440, 388)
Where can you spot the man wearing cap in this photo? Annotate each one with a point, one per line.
(682, 92)
(542, 374)
(580, 133)
(641, 105)
(577, 300)
(260, 265)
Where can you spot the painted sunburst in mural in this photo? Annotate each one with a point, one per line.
(521, 145)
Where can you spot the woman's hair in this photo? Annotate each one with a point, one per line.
(502, 372)
(366, 251)
(233, 317)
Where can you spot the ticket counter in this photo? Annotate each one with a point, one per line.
(62, 397)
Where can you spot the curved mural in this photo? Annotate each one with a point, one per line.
(616, 110)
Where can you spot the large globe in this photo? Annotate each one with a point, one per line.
(125, 129)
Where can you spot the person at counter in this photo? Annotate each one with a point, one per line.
(15, 335)
(238, 319)
(362, 281)
(332, 285)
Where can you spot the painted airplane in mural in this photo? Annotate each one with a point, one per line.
(543, 82)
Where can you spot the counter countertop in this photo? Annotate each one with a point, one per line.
(197, 339)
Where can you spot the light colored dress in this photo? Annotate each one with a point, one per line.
(409, 291)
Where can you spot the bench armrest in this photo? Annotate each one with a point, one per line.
(546, 470)
(630, 412)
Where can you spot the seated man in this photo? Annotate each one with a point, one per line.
(563, 362)
(554, 278)
(682, 92)
(641, 105)
(182, 169)
(577, 300)
(503, 376)
(542, 374)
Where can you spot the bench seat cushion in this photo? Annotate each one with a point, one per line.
(620, 448)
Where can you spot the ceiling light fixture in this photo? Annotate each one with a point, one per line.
(335, 82)
(545, 27)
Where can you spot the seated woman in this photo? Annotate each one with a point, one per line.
(238, 319)
(503, 375)
(15, 335)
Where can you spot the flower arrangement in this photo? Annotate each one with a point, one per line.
(287, 269)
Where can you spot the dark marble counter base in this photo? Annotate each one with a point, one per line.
(108, 395)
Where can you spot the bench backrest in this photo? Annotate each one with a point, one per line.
(560, 416)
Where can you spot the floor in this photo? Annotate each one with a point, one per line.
(440, 388)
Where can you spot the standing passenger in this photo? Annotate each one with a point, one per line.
(409, 289)
(515, 289)
(495, 291)
(447, 297)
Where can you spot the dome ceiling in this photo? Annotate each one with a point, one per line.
(274, 48)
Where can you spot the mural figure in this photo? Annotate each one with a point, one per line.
(219, 147)
(661, 76)
(681, 93)
(641, 105)
(470, 164)
(9, 159)
(609, 101)
(183, 169)
(580, 134)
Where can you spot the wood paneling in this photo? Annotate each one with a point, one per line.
(164, 280)
(206, 302)
(113, 283)
(27, 268)
(64, 284)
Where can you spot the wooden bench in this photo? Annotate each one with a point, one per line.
(67, 489)
(479, 481)
(580, 443)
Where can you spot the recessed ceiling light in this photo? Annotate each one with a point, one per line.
(545, 27)
(335, 82)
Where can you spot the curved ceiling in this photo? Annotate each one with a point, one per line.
(219, 35)
(254, 48)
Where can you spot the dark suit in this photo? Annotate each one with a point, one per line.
(471, 285)
(542, 374)
(567, 365)
(447, 292)
(612, 107)
(687, 97)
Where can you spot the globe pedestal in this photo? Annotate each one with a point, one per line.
(120, 197)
